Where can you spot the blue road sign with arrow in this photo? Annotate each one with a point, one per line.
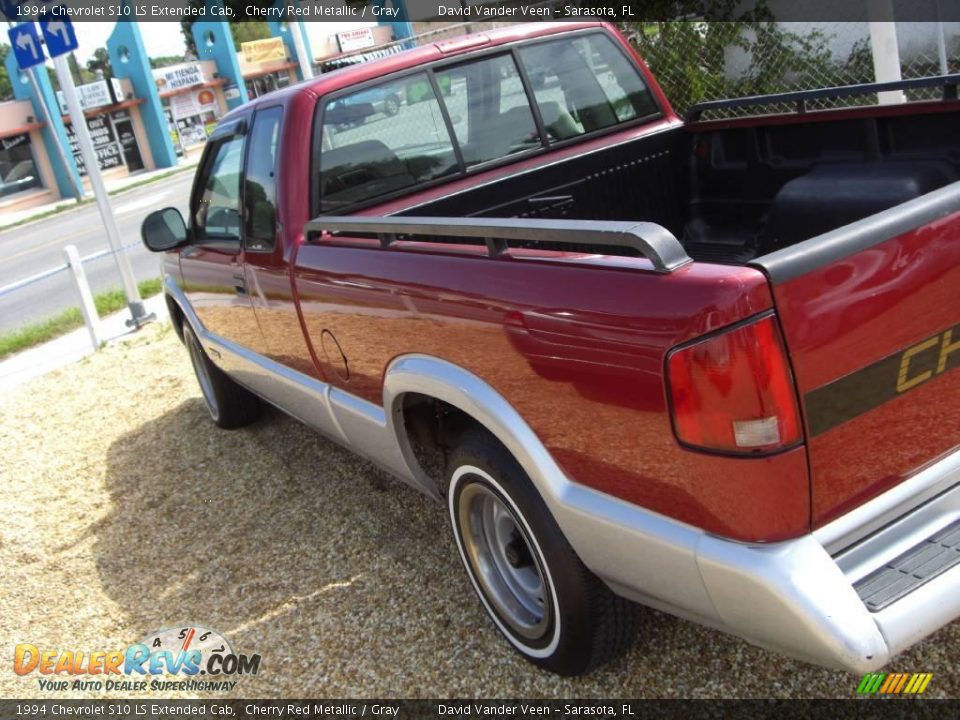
(59, 35)
(26, 45)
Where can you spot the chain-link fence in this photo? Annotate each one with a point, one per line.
(698, 61)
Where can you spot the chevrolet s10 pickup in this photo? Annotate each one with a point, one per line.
(707, 365)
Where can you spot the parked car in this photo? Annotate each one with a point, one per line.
(354, 110)
(708, 366)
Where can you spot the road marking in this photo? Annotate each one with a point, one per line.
(149, 201)
(53, 243)
(63, 239)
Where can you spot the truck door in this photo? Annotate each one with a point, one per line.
(265, 270)
(212, 267)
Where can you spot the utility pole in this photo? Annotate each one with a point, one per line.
(138, 313)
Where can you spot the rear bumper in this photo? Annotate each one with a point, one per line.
(804, 597)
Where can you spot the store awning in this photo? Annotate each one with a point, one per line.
(341, 62)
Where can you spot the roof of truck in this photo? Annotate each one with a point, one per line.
(451, 47)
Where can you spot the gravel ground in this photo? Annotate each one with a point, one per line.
(127, 511)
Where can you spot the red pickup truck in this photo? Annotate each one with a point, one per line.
(708, 366)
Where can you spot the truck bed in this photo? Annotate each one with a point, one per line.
(732, 191)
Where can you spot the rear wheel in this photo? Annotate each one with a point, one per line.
(534, 587)
(230, 405)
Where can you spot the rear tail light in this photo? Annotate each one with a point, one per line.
(733, 392)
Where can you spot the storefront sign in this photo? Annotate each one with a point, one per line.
(257, 51)
(350, 40)
(14, 140)
(178, 76)
(92, 95)
(104, 144)
(193, 103)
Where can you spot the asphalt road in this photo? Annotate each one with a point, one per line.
(33, 248)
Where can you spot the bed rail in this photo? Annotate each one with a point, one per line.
(652, 241)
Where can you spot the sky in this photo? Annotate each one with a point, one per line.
(164, 38)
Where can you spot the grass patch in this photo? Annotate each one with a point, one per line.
(61, 323)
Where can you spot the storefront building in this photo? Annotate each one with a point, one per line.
(116, 129)
(266, 65)
(193, 99)
(148, 118)
(354, 45)
(25, 171)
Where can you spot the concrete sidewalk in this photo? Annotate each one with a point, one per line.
(71, 347)
(114, 185)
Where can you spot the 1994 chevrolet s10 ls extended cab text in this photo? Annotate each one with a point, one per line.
(708, 366)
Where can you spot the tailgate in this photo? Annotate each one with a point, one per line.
(871, 317)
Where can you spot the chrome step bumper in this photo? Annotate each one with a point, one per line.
(922, 563)
(831, 597)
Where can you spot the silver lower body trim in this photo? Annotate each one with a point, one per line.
(344, 418)
(796, 597)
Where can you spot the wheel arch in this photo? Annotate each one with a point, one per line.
(440, 380)
(176, 314)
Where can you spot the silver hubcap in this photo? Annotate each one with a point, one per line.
(504, 561)
(203, 376)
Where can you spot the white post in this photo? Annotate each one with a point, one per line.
(941, 39)
(886, 50)
(942, 50)
(87, 307)
(82, 133)
(296, 32)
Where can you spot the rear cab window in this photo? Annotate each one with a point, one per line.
(381, 139)
(489, 109)
(388, 138)
(584, 84)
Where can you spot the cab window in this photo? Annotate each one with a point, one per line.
(489, 109)
(583, 84)
(217, 216)
(261, 181)
(383, 138)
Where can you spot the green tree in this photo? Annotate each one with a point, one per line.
(165, 60)
(81, 75)
(100, 61)
(689, 57)
(6, 89)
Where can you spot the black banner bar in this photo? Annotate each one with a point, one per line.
(455, 11)
(134, 709)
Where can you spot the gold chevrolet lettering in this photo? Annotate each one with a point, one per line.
(946, 350)
(904, 384)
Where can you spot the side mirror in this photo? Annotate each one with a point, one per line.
(164, 230)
